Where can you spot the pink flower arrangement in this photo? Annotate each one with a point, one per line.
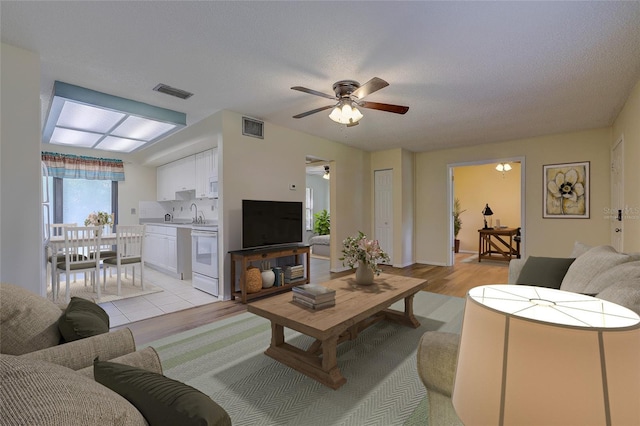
(98, 219)
(362, 250)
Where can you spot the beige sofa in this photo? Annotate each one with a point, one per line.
(600, 271)
(47, 383)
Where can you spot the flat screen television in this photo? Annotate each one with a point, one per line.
(269, 223)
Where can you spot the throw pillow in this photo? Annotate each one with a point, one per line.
(161, 400)
(81, 319)
(28, 322)
(36, 392)
(544, 271)
(588, 266)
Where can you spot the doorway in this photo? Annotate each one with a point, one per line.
(318, 207)
(617, 194)
(383, 210)
(480, 183)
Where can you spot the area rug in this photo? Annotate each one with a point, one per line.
(225, 360)
(128, 290)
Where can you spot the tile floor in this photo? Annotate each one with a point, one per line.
(176, 295)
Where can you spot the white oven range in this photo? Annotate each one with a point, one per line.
(204, 254)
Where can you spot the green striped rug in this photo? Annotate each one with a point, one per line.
(225, 360)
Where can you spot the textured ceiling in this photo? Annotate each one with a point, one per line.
(471, 72)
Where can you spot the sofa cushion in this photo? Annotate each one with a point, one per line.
(544, 271)
(81, 319)
(160, 399)
(624, 294)
(627, 273)
(28, 322)
(589, 265)
(620, 284)
(40, 393)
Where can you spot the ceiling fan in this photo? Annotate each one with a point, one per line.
(349, 94)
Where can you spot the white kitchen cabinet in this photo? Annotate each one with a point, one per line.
(214, 162)
(164, 186)
(177, 176)
(184, 172)
(168, 249)
(204, 174)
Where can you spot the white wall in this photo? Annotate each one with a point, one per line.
(543, 237)
(21, 250)
(264, 168)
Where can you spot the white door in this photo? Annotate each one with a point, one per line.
(383, 221)
(617, 194)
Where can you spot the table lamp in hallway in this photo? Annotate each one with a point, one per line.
(487, 212)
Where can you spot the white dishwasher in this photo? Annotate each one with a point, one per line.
(204, 255)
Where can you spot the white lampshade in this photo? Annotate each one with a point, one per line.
(540, 356)
(345, 112)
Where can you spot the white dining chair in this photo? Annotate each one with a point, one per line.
(56, 230)
(79, 241)
(129, 252)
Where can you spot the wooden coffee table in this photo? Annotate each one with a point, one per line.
(357, 307)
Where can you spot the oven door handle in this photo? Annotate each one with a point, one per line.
(204, 234)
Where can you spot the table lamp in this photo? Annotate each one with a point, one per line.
(487, 212)
(540, 356)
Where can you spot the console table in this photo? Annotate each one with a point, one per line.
(498, 244)
(245, 257)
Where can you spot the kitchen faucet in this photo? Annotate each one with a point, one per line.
(195, 218)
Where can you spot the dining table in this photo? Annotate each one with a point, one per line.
(55, 246)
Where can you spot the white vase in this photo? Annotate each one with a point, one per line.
(268, 278)
(364, 274)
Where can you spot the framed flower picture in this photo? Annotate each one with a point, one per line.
(566, 191)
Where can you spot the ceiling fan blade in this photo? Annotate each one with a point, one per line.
(313, 111)
(369, 87)
(398, 109)
(314, 92)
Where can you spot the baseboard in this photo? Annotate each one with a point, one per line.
(429, 262)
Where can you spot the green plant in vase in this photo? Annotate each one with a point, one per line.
(457, 223)
(322, 223)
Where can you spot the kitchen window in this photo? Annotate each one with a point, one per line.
(74, 199)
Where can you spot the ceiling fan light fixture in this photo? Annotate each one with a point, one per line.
(503, 167)
(346, 112)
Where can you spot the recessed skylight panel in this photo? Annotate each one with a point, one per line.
(63, 136)
(112, 143)
(86, 117)
(142, 128)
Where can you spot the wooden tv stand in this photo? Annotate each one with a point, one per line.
(245, 257)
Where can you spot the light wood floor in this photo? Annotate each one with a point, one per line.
(449, 280)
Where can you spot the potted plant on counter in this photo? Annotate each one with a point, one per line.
(457, 224)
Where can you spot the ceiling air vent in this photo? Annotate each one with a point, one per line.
(178, 93)
(252, 127)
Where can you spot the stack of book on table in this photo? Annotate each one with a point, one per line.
(314, 296)
(293, 273)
